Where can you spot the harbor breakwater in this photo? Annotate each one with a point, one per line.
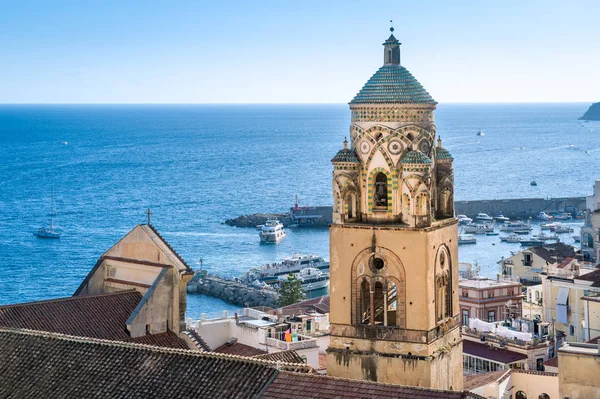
(233, 292)
(517, 208)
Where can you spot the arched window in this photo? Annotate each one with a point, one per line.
(350, 204)
(421, 205)
(365, 302)
(392, 304)
(381, 191)
(521, 395)
(439, 297)
(389, 61)
(544, 396)
(448, 301)
(379, 303)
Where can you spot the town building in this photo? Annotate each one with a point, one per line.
(564, 305)
(529, 264)
(590, 232)
(514, 384)
(578, 371)
(134, 293)
(394, 240)
(591, 312)
(490, 299)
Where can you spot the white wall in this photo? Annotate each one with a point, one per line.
(215, 333)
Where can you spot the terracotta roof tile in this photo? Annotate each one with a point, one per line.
(290, 356)
(36, 364)
(552, 362)
(499, 355)
(240, 350)
(307, 386)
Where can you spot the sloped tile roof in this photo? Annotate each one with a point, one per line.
(290, 356)
(101, 316)
(189, 269)
(393, 84)
(415, 157)
(553, 362)
(197, 340)
(42, 365)
(498, 355)
(239, 350)
(345, 155)
(305, 386)
(591, 276)
(318, 305)
(478, 380)
(552, 253)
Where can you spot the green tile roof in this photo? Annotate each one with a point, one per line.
(393, 84)
(442, 153)
(415, 157)
(345, 155)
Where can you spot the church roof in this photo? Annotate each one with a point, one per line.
(415, 157)
(345, 155)
(102, 316)
(393, 84)
(442, 153)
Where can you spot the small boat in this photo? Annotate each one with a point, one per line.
(549, 226)
(516, 225)
(466, 239)
(511, 238)
(49, 232)
(272, 232)
(521, 231)
(532, 243)
(483, 217)
(478, 228)
(269, 273)
(312, 279)
(480, 133)
(463, 219)
(563, 229)
(533, 183)
(492, 233)
(545, 237)
(501, 218)
(543, 216)
(562, 216)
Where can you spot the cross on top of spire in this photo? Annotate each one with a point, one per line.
(391, 26)
(148, 213)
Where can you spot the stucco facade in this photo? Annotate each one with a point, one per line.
(393, 241)
(579, 371)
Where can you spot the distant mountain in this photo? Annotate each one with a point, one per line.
(592, 114)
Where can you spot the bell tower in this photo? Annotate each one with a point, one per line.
(394, 240)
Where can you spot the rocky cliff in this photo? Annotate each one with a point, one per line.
(592, 114)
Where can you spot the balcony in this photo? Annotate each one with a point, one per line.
(536, 342)
(303, 342)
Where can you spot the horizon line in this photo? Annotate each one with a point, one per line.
(291, 103)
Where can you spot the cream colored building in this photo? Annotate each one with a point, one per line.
(514, 384)
(579, 371)
(563, 303)
(393, 242)
(591, 312)
(529, 264)
(590, 232)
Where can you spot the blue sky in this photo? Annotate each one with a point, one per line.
(306, 51)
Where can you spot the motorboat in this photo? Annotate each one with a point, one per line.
(515, 225)
(463, 219)
(501, 218)
(466, 239)
(544, 216)
(511, 238)
(533, 183)
(480, 133)
(312, 279)
(524, 231)
(49, 232)
(478, 228)
(492, 233)
(532, 243)
(563, 229)
(270, 272)
(272, 231)
(549, 226)
(545, 237)
(483, 217)
(562, 216)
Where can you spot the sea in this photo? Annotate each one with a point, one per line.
(195, 166)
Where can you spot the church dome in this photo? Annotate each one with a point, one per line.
(393, 84)
(442, 154)
(345, 155)
(415, 158)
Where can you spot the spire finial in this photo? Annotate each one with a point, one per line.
(345, 143)
(392, 26)
(148, 213)
(439, 142)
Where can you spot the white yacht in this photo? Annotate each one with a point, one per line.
(546, 237)
(312, 279)
(466, 239)
(270, 273)
(463, 219)
(272, 231)
(516, 225)
(512, 238)
(478, 228)
(501, 218)
(483, 217)
(543, 216)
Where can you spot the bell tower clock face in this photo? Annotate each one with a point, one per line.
(364, 147)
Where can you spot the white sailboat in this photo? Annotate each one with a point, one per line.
(49, 232)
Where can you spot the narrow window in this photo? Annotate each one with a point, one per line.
(365, 300)
(381, 190)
